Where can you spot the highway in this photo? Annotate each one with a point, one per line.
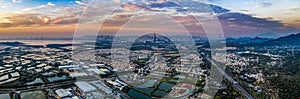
(235, 83)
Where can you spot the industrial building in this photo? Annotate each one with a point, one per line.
(85, 87)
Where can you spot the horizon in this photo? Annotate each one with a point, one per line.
(52, 18)
(188, 35)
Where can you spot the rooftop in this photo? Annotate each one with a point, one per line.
(85, 87)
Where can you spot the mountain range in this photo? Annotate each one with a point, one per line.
(268, 35)
(246, 40)
(290, 40)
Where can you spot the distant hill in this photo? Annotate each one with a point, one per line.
(11, 43)
(268, 35)
(247, 40)
(293, 39)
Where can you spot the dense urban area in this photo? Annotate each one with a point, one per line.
(152, 66)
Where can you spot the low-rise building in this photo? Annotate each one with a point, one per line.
(63, 93)
(85, 87)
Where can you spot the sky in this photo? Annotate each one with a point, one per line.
(61, 18)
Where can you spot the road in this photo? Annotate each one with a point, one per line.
(235, 83)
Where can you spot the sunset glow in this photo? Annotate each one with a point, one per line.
(50, 17)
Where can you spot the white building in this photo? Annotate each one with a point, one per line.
(76, 74)
(85, 87)
(63, 93)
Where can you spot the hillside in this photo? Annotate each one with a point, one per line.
(293, 40)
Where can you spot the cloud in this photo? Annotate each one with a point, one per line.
(17, 1)
(81, 3)
(297, 21)
(1, 2)
(32, 20)
(163, 4)
(248, 20)
(117, 20)
(294, 9)
(49, 4)
(265, 4)
(130, 7)
(232, 22)
(239, 22)
(244, 10)
(122, 16)
(20, 20)
(64, 21)
(195, 6)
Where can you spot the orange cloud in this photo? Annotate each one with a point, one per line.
(63, 30)
(45, 19)
(130, 7)
(29, 20)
